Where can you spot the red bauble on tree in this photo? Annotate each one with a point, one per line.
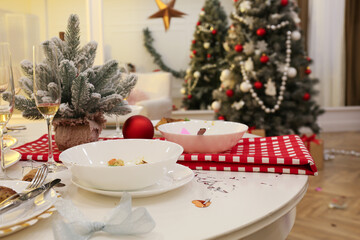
(308, 59)
(214, 32)
(194, 52)
(264, 58)
(198, 23)
(193, 41)
(261, 32)
(221, 117)
(306, 97)
(284, 2)
(238, 47)
(138, 126)
(208, 55)
(189, 96)
(229, 92)
(307, 71)
(258, 85)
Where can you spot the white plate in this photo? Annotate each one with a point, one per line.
(11, 157)
(177, 176)
(26, 211)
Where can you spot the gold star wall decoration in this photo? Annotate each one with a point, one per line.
(166, 12)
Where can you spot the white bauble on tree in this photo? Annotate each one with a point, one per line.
(292, 72)
(206, 45)
(197, 74)
(183, 91)
(245, 86)
(249, 65)
(202, 13)
(295, 35)
(188, 71)
(216, 105)
(224, 74)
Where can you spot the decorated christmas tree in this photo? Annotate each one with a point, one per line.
(87, 91)
(267, 82)
(207, 57)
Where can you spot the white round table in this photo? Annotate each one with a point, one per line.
(244, 205)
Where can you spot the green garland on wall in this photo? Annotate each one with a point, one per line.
(148, 43)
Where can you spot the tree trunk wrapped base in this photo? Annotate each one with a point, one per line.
(73, 132)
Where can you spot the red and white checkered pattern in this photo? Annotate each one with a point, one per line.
(282, 154)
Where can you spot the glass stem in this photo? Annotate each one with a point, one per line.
(50, 153)
(117, 122)
(2, 170)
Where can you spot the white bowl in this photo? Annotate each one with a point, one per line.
(89, 163)
(218, 137)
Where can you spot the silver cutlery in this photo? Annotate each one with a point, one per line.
(29, 195)
(37, 181)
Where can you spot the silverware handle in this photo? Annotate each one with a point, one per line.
(9, 207)
(12, 197)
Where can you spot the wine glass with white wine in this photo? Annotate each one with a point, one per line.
(47, 91)
(7, 103)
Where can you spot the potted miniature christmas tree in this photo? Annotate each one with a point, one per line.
(88, 92)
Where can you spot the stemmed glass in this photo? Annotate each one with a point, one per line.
(47, 91)
(6, 103)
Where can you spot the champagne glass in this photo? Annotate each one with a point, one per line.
(47, 91)
(6, 103)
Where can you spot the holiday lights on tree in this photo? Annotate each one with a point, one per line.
(267, 71)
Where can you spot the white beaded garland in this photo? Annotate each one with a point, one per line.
(278, 26)
(246, 83)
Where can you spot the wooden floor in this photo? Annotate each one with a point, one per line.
(339, 180)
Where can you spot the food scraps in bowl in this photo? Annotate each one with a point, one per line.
(119, 162)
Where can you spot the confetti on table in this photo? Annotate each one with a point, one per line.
(318, 189)
(201, 203)
(184, 131)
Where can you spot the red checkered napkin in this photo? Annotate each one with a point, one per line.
(38, 150)
(281, 154)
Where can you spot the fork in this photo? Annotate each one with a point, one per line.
(36, 182)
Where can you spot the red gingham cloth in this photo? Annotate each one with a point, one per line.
(281, 154)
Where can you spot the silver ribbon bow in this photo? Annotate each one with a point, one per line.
(121, 221)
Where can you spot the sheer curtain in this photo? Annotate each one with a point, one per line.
(326, 46)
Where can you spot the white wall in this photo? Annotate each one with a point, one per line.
(125, 20)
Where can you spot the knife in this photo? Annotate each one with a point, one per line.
(29, 195)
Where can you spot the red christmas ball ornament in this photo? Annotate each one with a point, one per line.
(198, 23)
(208, 55)
(306, 97)
(264, 58)
(308, 59)
(213, 32)
(284, 2)
(261, 32)
(193, 41)
(221, 117)
(138, 126)
(194, 52)
(238, 47)
(189, 96)
(258, 85)
(307, 71)
(191, 56)
(229, 92)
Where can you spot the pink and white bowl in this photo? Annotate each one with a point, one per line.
(218, 137)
